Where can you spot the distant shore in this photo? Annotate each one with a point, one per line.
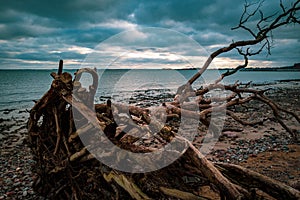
(272, 69)
(295, 67)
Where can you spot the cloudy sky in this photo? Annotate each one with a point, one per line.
(36, 34)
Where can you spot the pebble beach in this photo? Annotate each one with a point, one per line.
(266, 148)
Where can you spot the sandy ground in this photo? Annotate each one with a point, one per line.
(267, 148)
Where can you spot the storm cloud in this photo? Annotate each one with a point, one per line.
(36, 34)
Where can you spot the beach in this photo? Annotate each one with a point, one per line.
(267, 148)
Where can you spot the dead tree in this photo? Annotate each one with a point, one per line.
(262, 40)
(65, 167)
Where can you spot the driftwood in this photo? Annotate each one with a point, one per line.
(66, 169)
(251, 179)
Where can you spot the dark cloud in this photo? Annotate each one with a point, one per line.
(150, 12)
(50, 30)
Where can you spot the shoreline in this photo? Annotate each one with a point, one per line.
(245, 147)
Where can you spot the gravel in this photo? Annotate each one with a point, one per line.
(16, 177)
(241, 149)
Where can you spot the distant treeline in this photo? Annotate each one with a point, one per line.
(296, 67)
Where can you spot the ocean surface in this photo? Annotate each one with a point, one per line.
(18, 88)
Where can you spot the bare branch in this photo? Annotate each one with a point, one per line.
(228, 73)
(282, 6)
(264, 19)
(264, 33)
(243, 122)
(244, 19)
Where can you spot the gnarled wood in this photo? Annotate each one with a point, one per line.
(65, 169)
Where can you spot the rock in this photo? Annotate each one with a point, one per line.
(17, 184)
(9, 181)
(291, 177)
(10, 193)
(25, 193)
(230, 134)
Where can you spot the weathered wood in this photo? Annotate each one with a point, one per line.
(181, 194)
(250, 179)
(228, 189)
(126, 184)
(60, 67)
(66, 169)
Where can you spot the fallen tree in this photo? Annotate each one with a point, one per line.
(66, 168)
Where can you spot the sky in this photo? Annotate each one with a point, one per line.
(133, 34)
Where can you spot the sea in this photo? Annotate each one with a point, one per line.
(20, 88)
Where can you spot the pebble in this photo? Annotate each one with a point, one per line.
(17, 184)
(291, 177)
(230, 134)
(10, 193)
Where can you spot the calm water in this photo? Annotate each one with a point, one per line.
(18, 88)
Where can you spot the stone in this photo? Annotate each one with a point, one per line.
(230, 134)
(17, 184)
(25, 193)
(10, 193)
